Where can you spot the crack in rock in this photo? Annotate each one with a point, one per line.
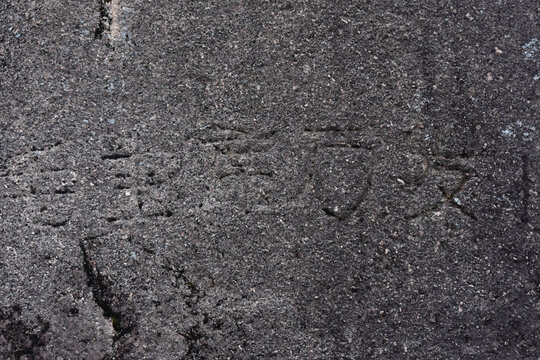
(104, 18)
(113, 21)
(105, 299)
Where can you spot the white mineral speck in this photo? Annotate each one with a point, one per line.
(531, 48)
(508, 132)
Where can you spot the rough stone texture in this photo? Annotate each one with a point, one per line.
(269, 179)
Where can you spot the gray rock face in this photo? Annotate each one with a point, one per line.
(261, 179)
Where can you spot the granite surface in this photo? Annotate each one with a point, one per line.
(269, 179)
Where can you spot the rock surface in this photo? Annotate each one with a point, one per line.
(269, 179)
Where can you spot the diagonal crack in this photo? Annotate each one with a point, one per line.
(105, 299)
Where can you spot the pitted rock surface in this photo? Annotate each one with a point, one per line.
(264, 179)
